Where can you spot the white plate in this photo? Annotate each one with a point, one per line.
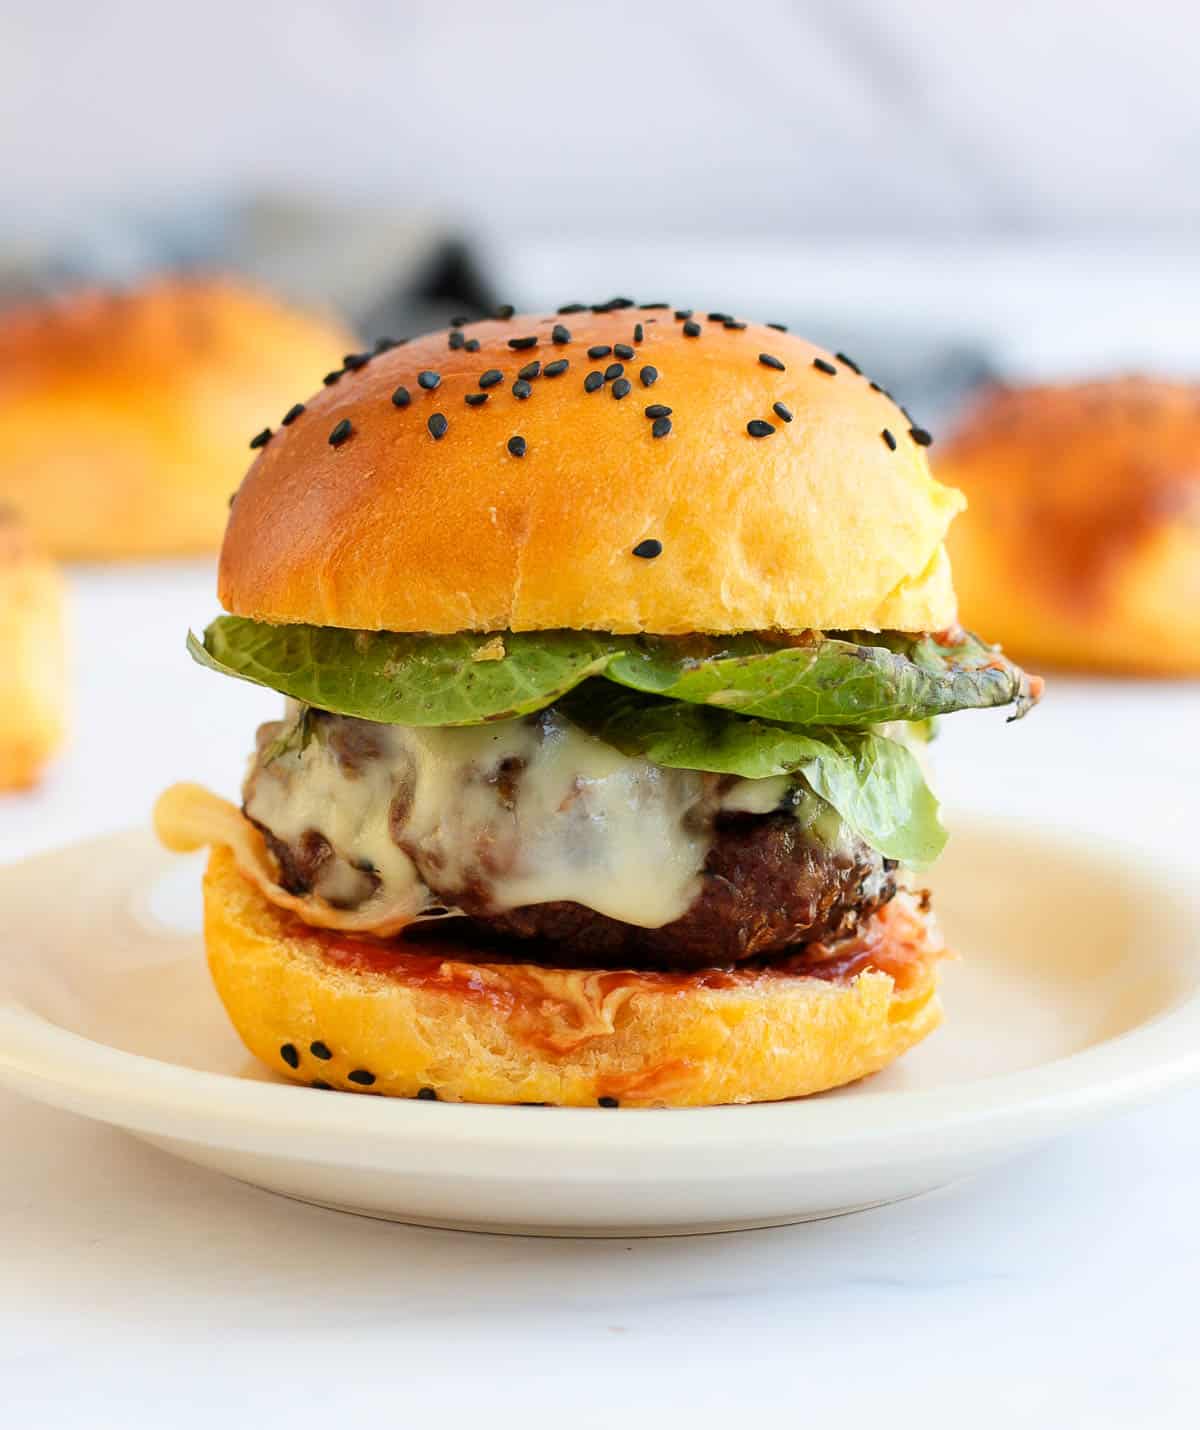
(1078, 992)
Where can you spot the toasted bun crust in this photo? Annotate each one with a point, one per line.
(1082, 544)
(819, 525)
(124, 418)
(32, 672)
(479, 1032)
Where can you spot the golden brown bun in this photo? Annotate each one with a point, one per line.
(819, 525)
(125, 418)
(32, 668)
(1081, 547)
(480, 1032)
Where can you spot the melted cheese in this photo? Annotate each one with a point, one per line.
(504, 815)
(529, 811)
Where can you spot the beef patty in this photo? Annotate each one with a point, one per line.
(767, 884)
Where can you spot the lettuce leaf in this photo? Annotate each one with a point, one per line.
(400, 679)
(873, 782)
(848, 679)
(853, 679)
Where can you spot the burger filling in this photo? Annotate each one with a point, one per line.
(539, 830)
(646, 801)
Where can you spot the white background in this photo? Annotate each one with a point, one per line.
(625, 118)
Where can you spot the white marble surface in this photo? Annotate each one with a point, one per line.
(137, 1291)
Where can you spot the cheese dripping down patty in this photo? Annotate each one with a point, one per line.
(513, 813)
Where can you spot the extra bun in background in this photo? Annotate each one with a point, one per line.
(334, 1012)
(423, 492)
(1081, 545)
(125, 417)
(32, 662)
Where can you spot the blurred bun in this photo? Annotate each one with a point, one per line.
(823, 523)
(125, 418)
(398, 1024)
(32, 674)
(1081, 547)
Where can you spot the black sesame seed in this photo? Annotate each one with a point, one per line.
(321, 1085)
(521, 389)
(362, 1077)
(592, 381)
(622, 388)
(428, 380)
(848, 362)
(649, 376)
(875, 387)
(622, 350)
(889, 439)
(331, 377)
(691, 330)
(401, 397)
(639, 334)
(735, 327)
(920, 436)
(599, 351)
(758, 428)
(437, 425)
(291, 414)
(822, 366)
(682, 313)
(658, 409)
(385, 345)
(779, 327)
(290, 1055)
(613, 371)
(573, 308)
(505, 311)
(720, 318)
(530, 370)
(427, 1094)
(471, 345)
(768, 360)
(320, 1050)
(516, 445)
(607, 1102)
(782, 411)
(660, 427)
(648, 549)
(556, 369)
(260, 439)
(491, 377)
(519, 345)
(475, 399)
(353, 361)
(649, 307)
(612, 305)
(560, 335)
(340, 433)
(456, 340)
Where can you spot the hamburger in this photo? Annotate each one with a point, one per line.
(33, 678)
(1082, 544)
(124, 415)
(610, 641)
